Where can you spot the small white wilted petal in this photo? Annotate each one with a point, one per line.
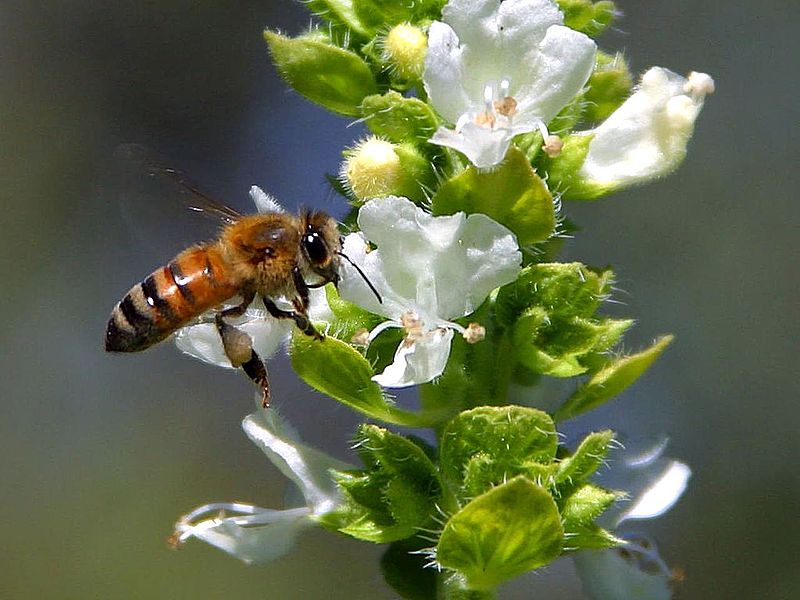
(646, 137)
(634, 570)
(255, 534)
(434, 268)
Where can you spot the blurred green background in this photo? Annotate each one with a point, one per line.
(101, 453)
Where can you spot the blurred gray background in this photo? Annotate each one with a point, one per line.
(100, 453)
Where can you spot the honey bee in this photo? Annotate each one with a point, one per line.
(272, 255)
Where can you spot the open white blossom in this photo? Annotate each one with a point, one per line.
(496, 70)
(255, 534)
(202, 340)
(429, 270)
(646, 137)
(635, 570)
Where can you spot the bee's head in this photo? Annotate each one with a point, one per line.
(320, 245)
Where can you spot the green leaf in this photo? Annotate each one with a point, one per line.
(399, 119)
(333, 77)
(338, 12)
(612, 379)
(590, 454)
(394, 496)
(509, 530)
(512, 195)
(588, 17)
(338, 370)
(488, 444)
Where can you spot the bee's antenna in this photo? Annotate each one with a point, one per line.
(360, 272)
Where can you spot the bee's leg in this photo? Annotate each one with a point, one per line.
(239, 347)
(299, 317)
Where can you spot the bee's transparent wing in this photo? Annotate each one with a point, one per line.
(189, 193)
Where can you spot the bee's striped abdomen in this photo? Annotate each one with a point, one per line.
(167, 299)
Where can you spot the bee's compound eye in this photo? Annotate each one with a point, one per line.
(315, 248)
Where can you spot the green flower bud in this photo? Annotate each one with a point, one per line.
(404, 50)
(375, 168)
(608, 87)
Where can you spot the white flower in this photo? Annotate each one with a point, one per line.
(429, 270)
(496, 70)
(255, 534)
(202, 340)
(635, 570)
(646, 137)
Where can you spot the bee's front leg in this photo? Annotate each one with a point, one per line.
(239, 347)
(299, 314)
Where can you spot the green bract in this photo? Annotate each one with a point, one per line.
(512, 195)
(330, 76)
(511, 529)
(399, 119)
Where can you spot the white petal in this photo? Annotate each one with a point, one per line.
(632, 571)
(440, 267)
(495, 38)
(443, 72)
(264, 202)
(646, 137)
(484, 147)
(552, 75)
(307, 467)
(202, 341)
(418, 363)
(260, 536)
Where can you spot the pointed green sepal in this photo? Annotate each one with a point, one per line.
(511, 529)
(590, 454)
(586, 504)
(512, 195)
(610, 380)
(590, 537)
(333, 77)
(588, 17)
(399, 119)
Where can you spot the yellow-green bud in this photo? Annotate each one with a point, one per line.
(404, 50)
(375, 168)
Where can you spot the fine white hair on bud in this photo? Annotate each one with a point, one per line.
(403, 49)
(371, 169)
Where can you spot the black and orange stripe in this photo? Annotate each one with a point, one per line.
(168, 298)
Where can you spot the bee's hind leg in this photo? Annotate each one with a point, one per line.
(239, 348)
